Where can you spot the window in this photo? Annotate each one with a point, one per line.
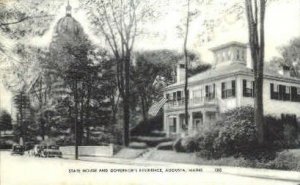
(210, 91)
(242, 54)
(274, 91)
(174, 96)
(168, 96)
(228, 89)
(284, 93)
(238, 54)
(178, 93)
(228, 55)
(248, 88)
(172, 126)
(295, 94)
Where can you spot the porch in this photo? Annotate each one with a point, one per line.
(175, 126)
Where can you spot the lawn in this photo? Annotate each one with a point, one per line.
(191, 158)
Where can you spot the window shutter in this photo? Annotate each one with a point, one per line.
(253, 89)
(272, 91)
(233, 87)
(174, 96)
(178, 95)
(281, 92)
(293, 93)
(214, 91)
(206, 91)
(244, 88)
(223, 89)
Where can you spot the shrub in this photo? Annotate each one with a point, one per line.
(188, 144)
(137, 145)
(235, 135)
(165, 146)
(274, 131)
(177, 145)
(236, 138)
(146, 128)
(150, 141)
(205, 143)
(281, 132)
(284, 161)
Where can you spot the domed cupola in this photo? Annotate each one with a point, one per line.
(68, 30)
(67, 34)
(69, 10)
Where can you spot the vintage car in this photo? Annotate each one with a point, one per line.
(37, 150)
(51, 151)
(17, 150)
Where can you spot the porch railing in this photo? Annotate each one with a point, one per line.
(198, 101)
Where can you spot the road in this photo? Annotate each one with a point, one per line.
(25, 170)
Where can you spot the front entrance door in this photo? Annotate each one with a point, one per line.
(197, 121)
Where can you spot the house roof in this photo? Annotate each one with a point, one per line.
(233, 43)
(231, 69)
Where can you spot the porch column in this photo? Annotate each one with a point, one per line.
(190, 124)
(204, 118)
(166, 125)
(178, 128)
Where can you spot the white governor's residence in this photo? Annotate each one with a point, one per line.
(227, 85)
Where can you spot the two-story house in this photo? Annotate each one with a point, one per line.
(227, 85)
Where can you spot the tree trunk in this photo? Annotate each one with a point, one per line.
(42, 128)
(144, 109)
(80, 126)
(186, 97)
(87, 116)
(126, 102)
(76, 120)
(21, 120)
(257, 48)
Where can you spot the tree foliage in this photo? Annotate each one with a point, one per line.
(120, 22)
(5, 121)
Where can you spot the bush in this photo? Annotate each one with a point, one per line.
(186, 144)
(284, 161)
(150, 141)
(235, 135)
(177, 145)
(137, 145)
(146, 128)
(205, 143)
(189, 144)
(165, 146)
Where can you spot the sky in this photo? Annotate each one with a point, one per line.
(282, 24)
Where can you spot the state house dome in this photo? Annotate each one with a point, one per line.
(68, 31)
(68, 40)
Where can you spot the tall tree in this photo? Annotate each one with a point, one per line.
(255, 11)
(5, 121)
(290, 56)
(185, 51)
(22, 103)
(152, 67)
(120, 23)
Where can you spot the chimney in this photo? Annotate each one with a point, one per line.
(285, 71)
(180, 72)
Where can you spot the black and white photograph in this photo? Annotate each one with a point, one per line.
(149, 92)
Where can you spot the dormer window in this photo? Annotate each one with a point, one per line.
(238, 55)
(230, 53)
(243, 55)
